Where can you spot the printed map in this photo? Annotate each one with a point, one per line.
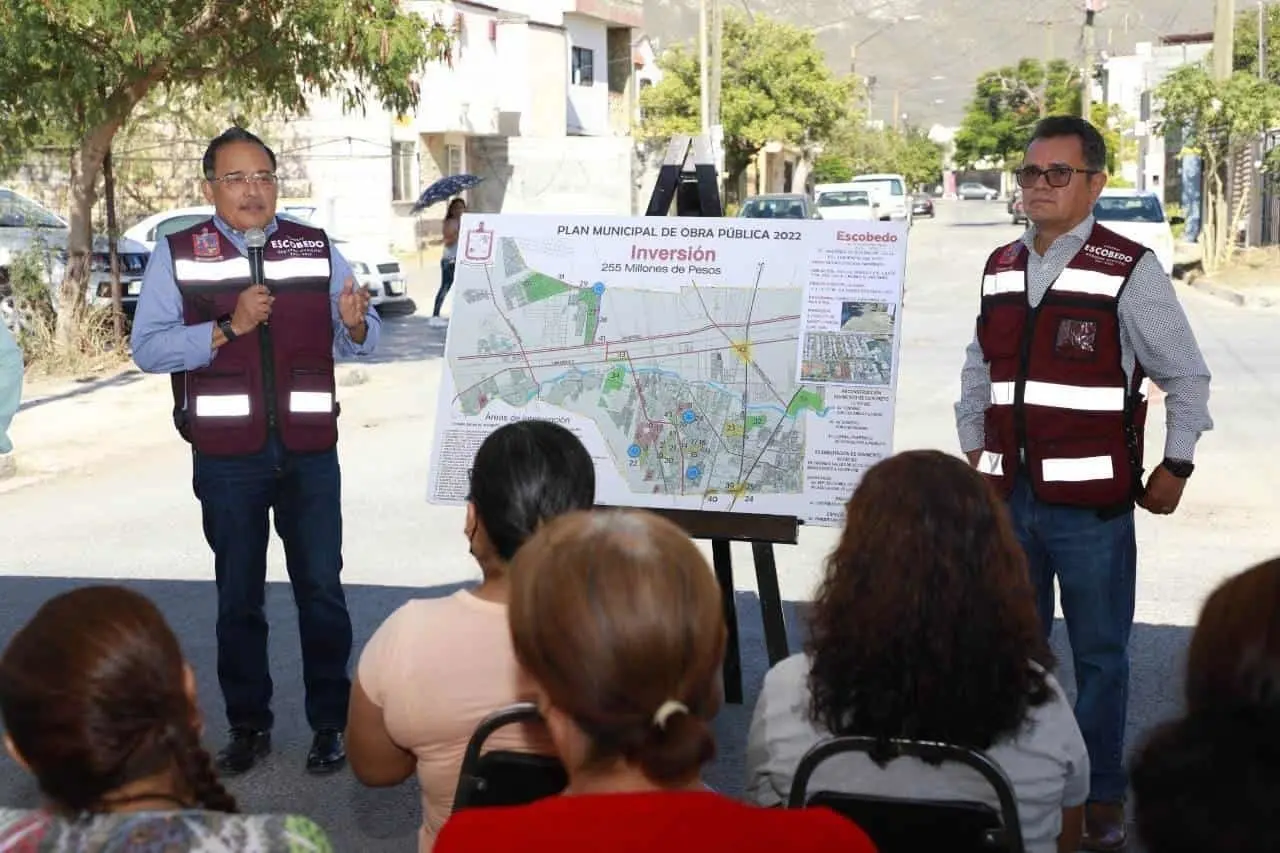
(693, 388)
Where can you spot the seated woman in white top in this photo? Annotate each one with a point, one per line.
(925, 628)
(438, 666)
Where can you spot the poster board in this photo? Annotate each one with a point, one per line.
(721, 365)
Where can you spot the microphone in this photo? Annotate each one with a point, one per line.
(255, 239)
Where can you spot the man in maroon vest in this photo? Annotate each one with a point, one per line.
(246, 311)
(1074, 319)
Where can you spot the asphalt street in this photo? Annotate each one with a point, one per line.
(126, 511)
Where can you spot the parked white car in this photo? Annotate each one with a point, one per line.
(374, 268)
(1140, 216)
(846, 204)
(887, 190)
(27, 225)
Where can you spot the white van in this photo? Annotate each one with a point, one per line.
(889, 191)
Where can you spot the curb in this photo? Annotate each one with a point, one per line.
(1230, 294)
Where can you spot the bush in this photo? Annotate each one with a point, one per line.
(34, 318)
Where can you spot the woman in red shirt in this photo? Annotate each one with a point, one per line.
(616, 616)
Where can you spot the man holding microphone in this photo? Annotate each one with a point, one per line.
(246, 311)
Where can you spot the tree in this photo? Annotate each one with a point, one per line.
(919, 158)
(77, 69)
(1218, 115)
(857, 149)
(775, 86)
(1006, 105)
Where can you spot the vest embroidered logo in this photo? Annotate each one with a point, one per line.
(205, 245)
(1008, 254)
(1105, 253)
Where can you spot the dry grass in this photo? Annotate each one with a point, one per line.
(92, 350)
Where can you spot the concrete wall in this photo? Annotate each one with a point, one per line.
(578, 175)
(588, 105)
(548, 82)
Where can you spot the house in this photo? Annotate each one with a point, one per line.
(1129, 82)
(537, 97)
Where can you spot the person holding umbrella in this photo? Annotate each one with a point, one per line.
(449, 260)
(442, 189)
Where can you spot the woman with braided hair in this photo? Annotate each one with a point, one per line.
(616, 618)
(99, 706)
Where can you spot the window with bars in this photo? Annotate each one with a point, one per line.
(583, 68)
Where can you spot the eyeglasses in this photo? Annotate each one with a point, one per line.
(237, 180)
(1056, 176)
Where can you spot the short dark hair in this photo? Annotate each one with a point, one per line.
(1091, 141)
(526, 473)
(231, 134)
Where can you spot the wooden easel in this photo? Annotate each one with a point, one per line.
(696, 192)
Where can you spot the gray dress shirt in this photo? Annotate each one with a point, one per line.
(1154, 332)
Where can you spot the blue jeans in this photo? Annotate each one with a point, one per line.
(304, 492)
(1095, 561)
(448, 267)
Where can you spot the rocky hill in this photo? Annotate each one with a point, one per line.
(931, 51)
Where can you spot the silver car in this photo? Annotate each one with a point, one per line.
(26, 225)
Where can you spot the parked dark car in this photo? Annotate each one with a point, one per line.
(779, 206)
(922, 205)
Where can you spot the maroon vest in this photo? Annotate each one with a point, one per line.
(1061, 407)
(278, 377)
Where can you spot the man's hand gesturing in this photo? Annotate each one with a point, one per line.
(252, 308)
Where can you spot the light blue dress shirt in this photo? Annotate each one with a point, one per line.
(163, 343)
(10, 384)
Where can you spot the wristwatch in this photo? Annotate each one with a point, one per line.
(224, 323)
(1178, 467)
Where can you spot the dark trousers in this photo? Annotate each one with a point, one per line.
(304, 492)
(447, 268)
(1095, 562)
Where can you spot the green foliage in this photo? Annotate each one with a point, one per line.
(856, 149)
(1218, 115)
(96, 59)
(832, 168)
(75, 70)
(1217, 111)
(1006, 105)
(1245, 53)
(775, 86)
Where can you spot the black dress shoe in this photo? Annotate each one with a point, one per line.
(244, 750)
(328, 752)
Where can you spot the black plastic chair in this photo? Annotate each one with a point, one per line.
(898, 825)
(503, 777)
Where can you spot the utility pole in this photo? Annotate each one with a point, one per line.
(1262, 40)
(897, 110)
(715, 79)
(717, 60)
(704, 93)
(1086, 72)
(1223, 38)
(1048, 57)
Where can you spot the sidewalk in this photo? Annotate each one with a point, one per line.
(68, 424)
(1252, 281)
